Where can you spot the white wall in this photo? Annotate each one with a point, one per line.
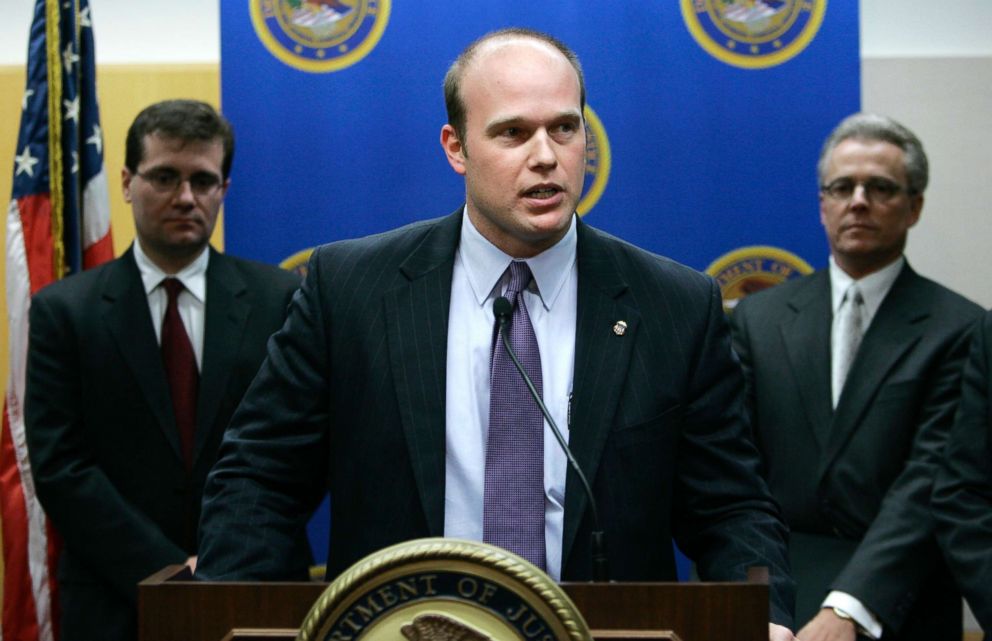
(128, 32)
(926, 63)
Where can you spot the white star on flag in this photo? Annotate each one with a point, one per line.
(24, 101)
(75, 162)
(69, 57)
(84, 18)
(72, 109)
(25, 163)
(96, 139)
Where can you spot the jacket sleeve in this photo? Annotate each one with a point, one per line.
(962, 496)
(727, 521)
(271, 471)
(898, 552)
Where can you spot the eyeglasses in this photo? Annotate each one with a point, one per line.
(167, 181)
(877, 190)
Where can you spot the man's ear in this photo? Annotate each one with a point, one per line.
(126, 184)
(454, 149)
(916, 208)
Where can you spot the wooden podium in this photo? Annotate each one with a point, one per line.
(171, 608)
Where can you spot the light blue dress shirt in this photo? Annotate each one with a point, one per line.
(477, 280)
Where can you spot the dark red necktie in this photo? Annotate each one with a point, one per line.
(180, 369)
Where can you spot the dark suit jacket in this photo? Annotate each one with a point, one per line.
(352, 398)
(101, 435)
(854, 484)
(962, 496)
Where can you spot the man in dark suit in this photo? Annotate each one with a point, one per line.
(962, 495)
(378, 386)
(853, 376)
(117, 474)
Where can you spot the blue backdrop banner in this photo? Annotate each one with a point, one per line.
(705, 118)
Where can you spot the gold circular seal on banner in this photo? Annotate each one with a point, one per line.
(320, 35)
(443, 589)
(753, 34)
(598, 162)
(297, 263)
(748, 270)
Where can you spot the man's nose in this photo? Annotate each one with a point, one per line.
(859, 197)
(543, 153)
(184, 192)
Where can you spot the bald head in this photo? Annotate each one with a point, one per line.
(454, 100)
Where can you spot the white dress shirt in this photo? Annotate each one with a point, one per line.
(479, 277)
(192, 300)
(874, 288)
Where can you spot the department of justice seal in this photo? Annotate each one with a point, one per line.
(753, 34)
(597, 162)
(320, 35)
(297, 263)
(430, 589)
(748, 270)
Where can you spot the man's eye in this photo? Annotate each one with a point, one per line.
(881, 188)
(203, 181)
(164, 178)
(510, 132)
(841, 188)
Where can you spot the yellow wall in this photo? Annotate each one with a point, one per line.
(123, 90)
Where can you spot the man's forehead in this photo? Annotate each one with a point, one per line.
(160, 142)
(500, 47)
(873, 150)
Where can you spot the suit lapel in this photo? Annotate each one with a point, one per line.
(226, 315)
(896, 328)
(806, 336)
(601, 364)
(125, 311)
(417, 329)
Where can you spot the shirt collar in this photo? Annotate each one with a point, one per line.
(873, 287)
(192, 276)
(485, 263)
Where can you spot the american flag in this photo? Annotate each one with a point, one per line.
(58, 222)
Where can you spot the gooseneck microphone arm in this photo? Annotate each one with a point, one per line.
(503, 309)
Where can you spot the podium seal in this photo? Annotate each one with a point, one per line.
(443, 589)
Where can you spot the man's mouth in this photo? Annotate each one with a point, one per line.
(544, 191)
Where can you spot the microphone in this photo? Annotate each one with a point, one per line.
(503, 309)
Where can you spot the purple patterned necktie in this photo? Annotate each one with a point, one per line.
(514, 491)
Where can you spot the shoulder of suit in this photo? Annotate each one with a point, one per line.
(782, 293)
(80, 285)
(946, 301)
(397, 242)
(255, 270)
(632, 257)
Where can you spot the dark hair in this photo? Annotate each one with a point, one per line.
(185, 120)
(868, 126)
(452, 79)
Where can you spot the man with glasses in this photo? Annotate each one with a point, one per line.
(135, 367)
(853, 376)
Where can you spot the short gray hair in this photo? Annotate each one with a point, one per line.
(868, 126)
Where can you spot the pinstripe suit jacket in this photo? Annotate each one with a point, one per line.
(352, 394)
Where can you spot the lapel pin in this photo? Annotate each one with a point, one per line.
(620, 328)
